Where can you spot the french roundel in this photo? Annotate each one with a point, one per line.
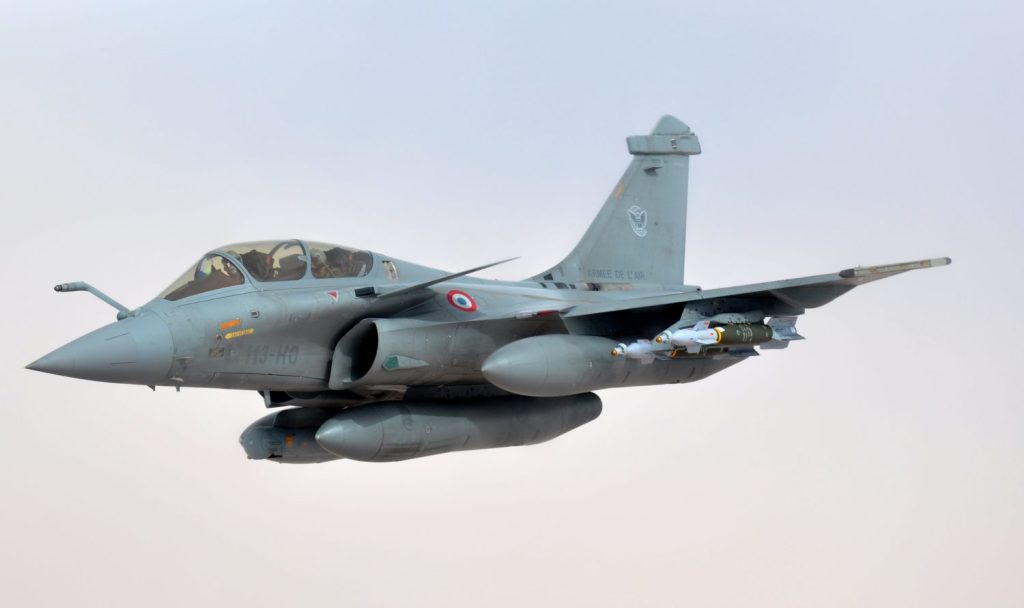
(461, 300)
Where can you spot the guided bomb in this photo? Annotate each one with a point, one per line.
(727, 335)
(641, 349)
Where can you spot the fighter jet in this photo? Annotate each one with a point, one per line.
(376, 359)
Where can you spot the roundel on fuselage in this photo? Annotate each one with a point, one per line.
(461, 300)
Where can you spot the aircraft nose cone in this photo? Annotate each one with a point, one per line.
(136, 350)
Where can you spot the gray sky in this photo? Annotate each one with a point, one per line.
(880, 462)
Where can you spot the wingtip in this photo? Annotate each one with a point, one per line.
(887, 269)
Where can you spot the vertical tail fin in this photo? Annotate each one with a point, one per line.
(639, 236)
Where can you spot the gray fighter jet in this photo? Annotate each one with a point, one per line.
(381, 359)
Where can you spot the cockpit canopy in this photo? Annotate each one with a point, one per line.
(269, 261)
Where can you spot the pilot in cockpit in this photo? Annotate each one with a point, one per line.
(337, 261)
(319, 265)
(233, 273)
(359, 263)
(259, 264)
(332, 262)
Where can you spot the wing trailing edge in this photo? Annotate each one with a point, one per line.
(775, 298)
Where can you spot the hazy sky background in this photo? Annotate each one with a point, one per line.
(878, 463)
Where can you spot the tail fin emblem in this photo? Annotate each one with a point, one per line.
(638, 220)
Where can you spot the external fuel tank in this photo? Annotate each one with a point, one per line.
(559, 365)
(402, 430)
